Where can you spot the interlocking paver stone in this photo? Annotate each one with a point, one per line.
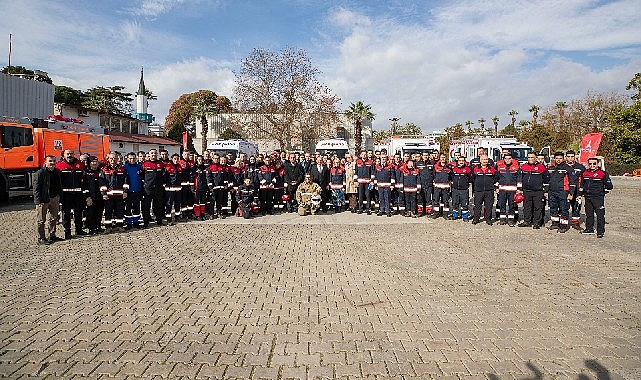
(329, 296)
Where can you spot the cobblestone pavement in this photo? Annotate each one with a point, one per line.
(348, 296)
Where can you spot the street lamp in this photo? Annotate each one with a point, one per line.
(394, 120)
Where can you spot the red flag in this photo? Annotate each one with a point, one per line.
(589, 146)
(185, 143)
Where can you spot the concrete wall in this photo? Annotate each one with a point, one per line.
(25, 98)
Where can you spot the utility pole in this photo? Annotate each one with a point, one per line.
(394, 120)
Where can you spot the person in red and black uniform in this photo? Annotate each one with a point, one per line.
(575, 205)
(199, 178)
(484, 177)
(173, 188)
(560, 191)
(217, 180)
(93, 213)
(154, 177)
(279, 185)
(410, 186)
(186, 194)
(508, 170)
(461, 178)
(426, 167)
(595, 184)
(531, 180)
(337, 185)
(384, 180)
(74, 192)
(442, 179)
(363, 176)
(266, 179)
(114, 183)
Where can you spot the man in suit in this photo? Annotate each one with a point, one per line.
(320, 175)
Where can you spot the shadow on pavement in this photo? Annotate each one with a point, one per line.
(597, 368)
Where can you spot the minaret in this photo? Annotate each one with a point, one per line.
(141, 97)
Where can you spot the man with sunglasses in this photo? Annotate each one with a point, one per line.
(595, 183)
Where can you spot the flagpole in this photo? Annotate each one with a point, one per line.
(9, 67)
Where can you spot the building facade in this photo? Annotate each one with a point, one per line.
(23, 97)
(256, 127)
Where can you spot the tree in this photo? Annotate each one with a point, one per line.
(409, 129)
(535, 113)
(68, 95)
(625, 134)
(381, 136)
(635, 84)
(560, 107)
(513, 114)
(38, 75)
(357, 112)
(282, 87)
(482, 124)
(230, 134)
(495, 121)
(203, 103)
(108, 99)
(176, 134)
(510, 131)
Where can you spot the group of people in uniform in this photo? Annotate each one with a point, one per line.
(121, 192)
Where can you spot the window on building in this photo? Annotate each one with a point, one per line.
(341, 133)
(136, 147)
(134, 127)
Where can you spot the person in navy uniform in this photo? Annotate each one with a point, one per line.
(508, 170)
(531, 181)
(575, 204)
(114, 184)
(595, 184)
(442, 179)
(484, 177)
(410, 186)
(384, 180)
(461, 178)
(560, 191)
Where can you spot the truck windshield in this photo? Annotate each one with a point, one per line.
(340, 153)
(520, 154)
(16, 136)
(416, 150)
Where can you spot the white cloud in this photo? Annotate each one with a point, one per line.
(479, 59)
(153, 8)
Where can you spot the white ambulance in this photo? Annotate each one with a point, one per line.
(222, 147)
(411, 145)
(468, 146)
(332, 146)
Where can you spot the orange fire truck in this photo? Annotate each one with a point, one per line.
(25, 142)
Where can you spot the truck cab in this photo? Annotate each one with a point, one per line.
(18, 155)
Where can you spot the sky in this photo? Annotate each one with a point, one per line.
(432, 63)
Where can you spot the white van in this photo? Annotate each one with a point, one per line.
(222, 147)
(332, 146)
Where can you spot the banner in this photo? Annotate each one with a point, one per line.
(185, 143)
(589, 147)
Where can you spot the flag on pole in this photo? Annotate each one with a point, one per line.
(589, 146)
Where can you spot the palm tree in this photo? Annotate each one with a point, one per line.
(535, 113)
(482, 124)
(203, 103)
(495, 121)
(468, 124)
(357, 112)
(513, 114)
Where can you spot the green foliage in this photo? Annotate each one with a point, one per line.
(108, 99)
(510, 131)
(625, 134)
(68, 95)
(537, 137)
(635, 84)
(357, 112)
(230, 134)
(38, 75)
(176, 133)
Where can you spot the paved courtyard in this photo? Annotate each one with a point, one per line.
(347, 296)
